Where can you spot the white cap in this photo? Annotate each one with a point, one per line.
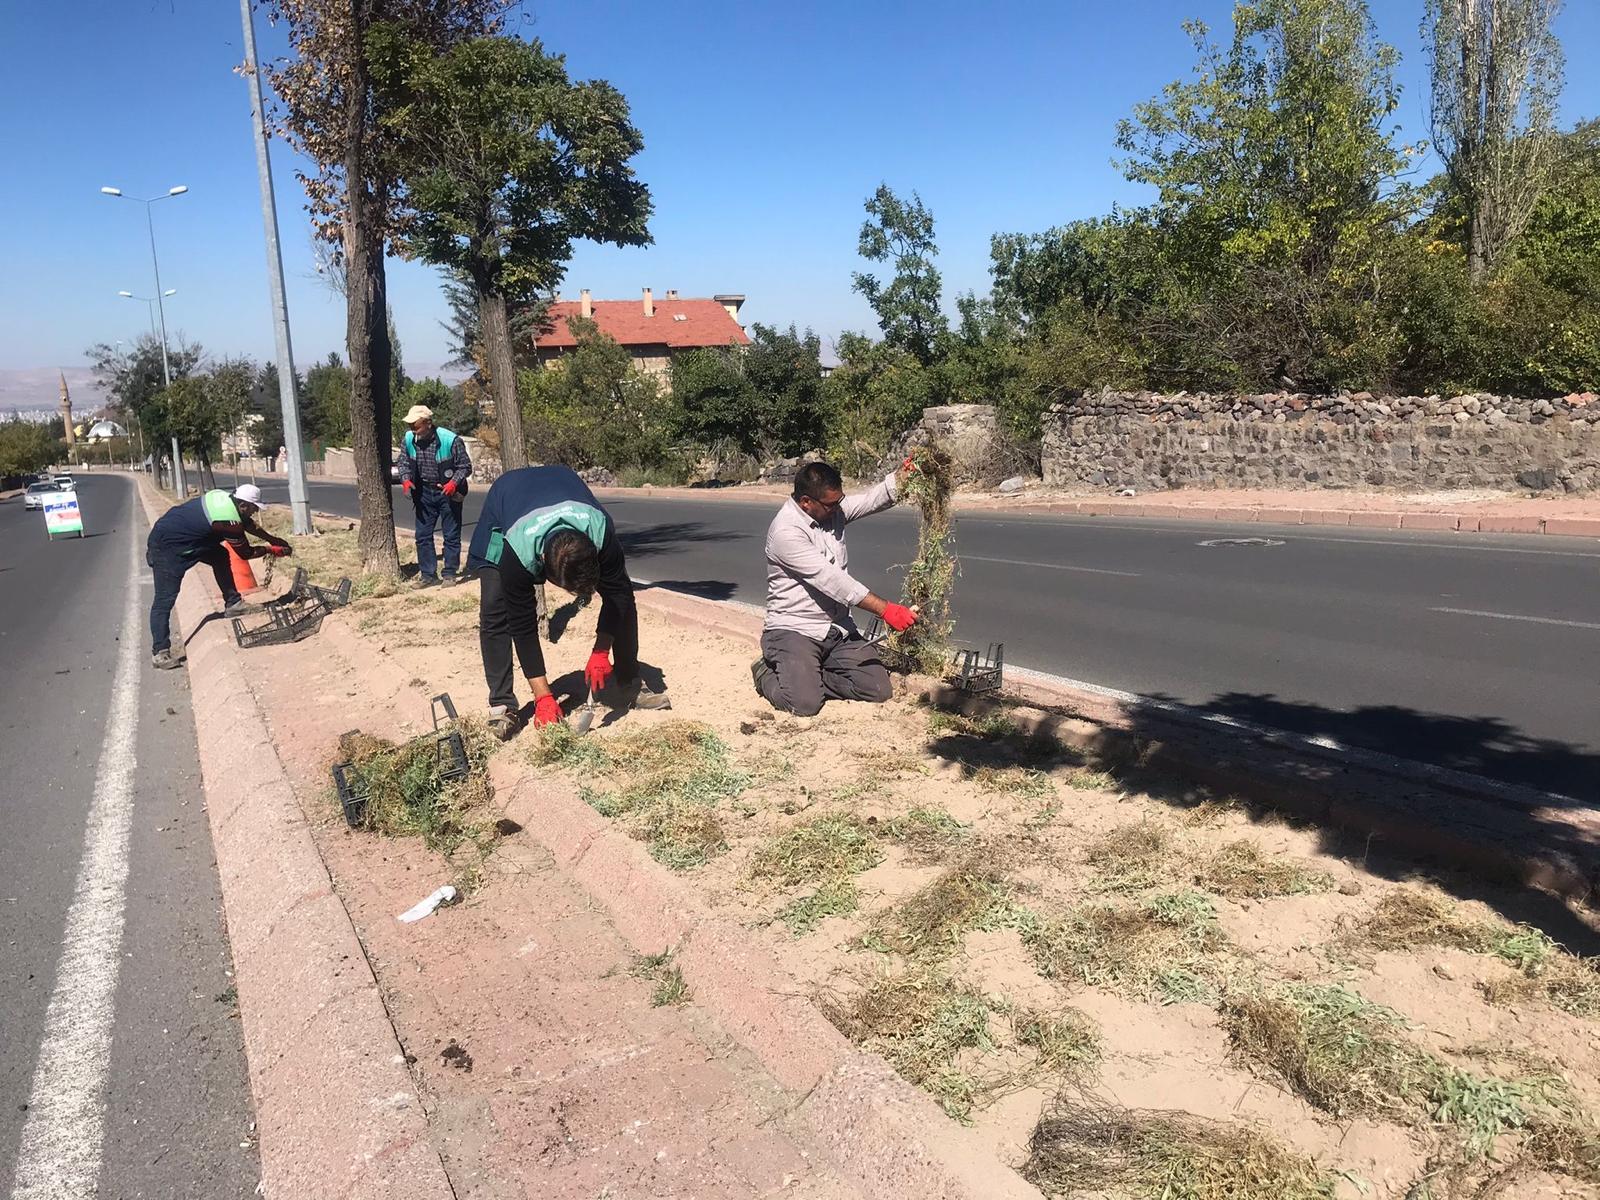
(249, 493)
(417, 413)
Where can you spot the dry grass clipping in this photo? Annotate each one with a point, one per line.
(1132, 858)
(1164, 1155)
(829, 850)
(1168, 948)
(931, 922)
(334, 554)
(665, 782)
(1240, 869)
(920, 1022)
(931, 575)
(927, 833)
(1407, 917)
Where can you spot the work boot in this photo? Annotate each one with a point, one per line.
(425, 581)
(504, 722)
(239, 608)
(452, 580)
(165, 660)
(760, 672)
(638, 694)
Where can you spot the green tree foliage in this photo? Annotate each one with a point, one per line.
(899, 233)
(504, 162)
(450, 408)
(714, 405)
(875, 393)
(764, 400)
(325, 402)
(26, 447)
(594, 408)
(134, 379)
(266, 402)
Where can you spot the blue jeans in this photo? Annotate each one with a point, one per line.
(170, 567)
(432, 505)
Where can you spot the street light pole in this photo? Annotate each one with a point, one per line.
(181, 485)
(299, 497)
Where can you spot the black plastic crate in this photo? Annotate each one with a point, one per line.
(288, 619)
(978, 671)
(448, 745)
(303, 589)
(891, 656)
(353, 794)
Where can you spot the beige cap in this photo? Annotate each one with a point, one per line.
(416, 413)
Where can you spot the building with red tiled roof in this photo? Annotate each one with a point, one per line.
(651, 332)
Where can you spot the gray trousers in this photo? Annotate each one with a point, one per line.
(804, 672)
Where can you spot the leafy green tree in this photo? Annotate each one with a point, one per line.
(326, 401)
(1496, 74)
(713, 402)
(502, 163)
(134, 378)
(900, 233)
(594, 408)
(784, 370)
(876, 393)
(266, 403)
(450, 409)
(25, 447)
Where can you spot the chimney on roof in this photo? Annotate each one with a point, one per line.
(586, 304)
(649, 304)
(672, 293)
(732, 302)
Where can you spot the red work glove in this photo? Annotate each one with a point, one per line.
(908, 465)
(546, 710)
(898, 617)
(405, 487)
(279, 551)
(449, 489)
(598, 670)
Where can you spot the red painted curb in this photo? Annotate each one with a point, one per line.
(1572, 526)
(337, 1112)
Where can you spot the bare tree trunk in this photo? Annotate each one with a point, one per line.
(382, 348)
(366, 324)
(502, 378)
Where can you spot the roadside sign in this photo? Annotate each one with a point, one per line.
(61, 514)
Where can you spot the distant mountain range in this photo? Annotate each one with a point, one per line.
(40, 387)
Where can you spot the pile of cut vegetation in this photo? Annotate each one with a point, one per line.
(931, 576)
(408, 793)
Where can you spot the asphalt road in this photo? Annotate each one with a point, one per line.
(1480, 653)
(121, 1061)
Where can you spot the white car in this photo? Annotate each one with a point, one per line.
(65, 482)
(34, 496)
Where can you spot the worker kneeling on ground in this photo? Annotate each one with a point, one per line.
(538, 524)
(195, 532)
(434, 467)
(811, 650)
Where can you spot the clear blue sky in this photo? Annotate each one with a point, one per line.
(765, 128)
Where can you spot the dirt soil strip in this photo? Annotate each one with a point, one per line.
(1539, 839)
(337, 1111)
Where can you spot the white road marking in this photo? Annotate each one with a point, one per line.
(59, 1156)
(1022, 562)
(1473, 612)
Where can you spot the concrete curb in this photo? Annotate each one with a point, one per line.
(337, 1112)
(1529, 837)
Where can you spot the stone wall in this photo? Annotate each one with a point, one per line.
(1151, 441)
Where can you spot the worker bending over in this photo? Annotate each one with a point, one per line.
(811, 650)
(433, 471)
(195, 532)
(538, 524)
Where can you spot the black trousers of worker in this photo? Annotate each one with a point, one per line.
(495, 641)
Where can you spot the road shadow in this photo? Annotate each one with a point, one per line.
(706, 589)
(645, 540)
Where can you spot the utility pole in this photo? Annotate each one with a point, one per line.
(299, 499)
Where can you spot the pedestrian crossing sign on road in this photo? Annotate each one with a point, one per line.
(61, 514)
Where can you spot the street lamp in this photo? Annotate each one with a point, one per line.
(166, 367)
(151, 301)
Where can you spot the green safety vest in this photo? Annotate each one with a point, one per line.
(219, 506)
(528, 534)
(447, 441)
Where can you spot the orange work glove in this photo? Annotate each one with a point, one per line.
(546, 710)
(406, 487)
(598, 670)
(449, 489)
(898, 617)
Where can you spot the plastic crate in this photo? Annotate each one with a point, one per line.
(288, 619)
(448, 745)
(978, 671)
(888, 654)
(303, 589)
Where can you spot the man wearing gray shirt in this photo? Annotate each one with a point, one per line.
(811, 650)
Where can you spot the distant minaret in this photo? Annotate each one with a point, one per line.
(66, 407)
